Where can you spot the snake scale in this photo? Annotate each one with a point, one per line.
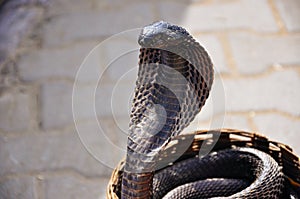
(174, 79)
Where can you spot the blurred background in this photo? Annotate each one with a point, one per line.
(254, 44)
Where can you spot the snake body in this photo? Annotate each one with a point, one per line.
(234, 173)
(174, 79)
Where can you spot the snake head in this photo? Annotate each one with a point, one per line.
(161, 35)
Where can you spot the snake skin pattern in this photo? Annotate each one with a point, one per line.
(174, 79)
(237, 173)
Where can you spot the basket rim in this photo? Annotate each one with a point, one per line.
(282, 153)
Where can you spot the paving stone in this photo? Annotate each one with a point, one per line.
(279, 128)
(113, 3)
(122, 56)
(45, 152)
(118, 127)
(56, 102)
(57, 7)
(62, 63)
(83, 25)
(290, 12)
(221, 16)
(115, 99)
(123, 69)
(236, 122)
(218, 122)
(277, 91)
(13, 4)
(254, 54)
(214, 49)
(21, 187)
(103, 140)
(15, 26)
(69, 187)
(113, 60)
(16, 107)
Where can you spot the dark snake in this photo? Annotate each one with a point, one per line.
(174, 79)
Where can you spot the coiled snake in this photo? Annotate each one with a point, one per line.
(174, 79)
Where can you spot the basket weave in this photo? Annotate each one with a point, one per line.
(189, 145)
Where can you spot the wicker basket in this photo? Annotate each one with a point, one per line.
(189, 145)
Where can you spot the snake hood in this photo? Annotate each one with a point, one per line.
(174, 78)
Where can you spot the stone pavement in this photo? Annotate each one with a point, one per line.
(254, 44)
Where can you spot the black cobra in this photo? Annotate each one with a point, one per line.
(174, 79)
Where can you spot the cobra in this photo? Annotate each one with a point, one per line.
(174, 80)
